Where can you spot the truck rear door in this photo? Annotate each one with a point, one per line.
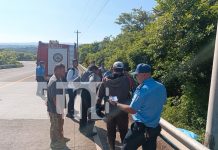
(55, 56)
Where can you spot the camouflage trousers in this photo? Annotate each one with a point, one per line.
(56, 129)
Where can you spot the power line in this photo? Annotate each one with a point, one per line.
(97, 15)
(85, 9)
(99, 12)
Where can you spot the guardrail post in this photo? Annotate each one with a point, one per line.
(211, 136)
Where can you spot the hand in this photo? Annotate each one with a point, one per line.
(113, 102)
(98, 109)
(105, 79)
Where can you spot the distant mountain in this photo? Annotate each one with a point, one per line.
(27, 43)
(22, 47)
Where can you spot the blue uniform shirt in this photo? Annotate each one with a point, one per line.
(40, 71)
(148, 101)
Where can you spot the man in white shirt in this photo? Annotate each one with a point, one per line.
(72, 74)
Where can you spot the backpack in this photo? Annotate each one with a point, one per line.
(85, 76)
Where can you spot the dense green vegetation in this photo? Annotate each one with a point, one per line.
(177, 39)
(10, 58)
(25, 56)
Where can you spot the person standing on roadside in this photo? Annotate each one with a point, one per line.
(146, 107)
(40, 78)
(92, 63)
(72, 74)
(56, 118)
(133, 84)
(119, 86)
(102, 68)
(86, 124)
(95, 75)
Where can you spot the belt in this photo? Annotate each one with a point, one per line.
(148, 131)
(142, 127)
(139, 126)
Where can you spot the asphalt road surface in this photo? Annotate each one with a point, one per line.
(24, 122)
(15, 74)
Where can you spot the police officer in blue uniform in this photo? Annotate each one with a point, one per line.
(146, 107)
(40, 78)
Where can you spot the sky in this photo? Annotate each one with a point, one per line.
(43, 20)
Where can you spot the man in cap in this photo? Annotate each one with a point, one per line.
(118, 85)
(146, 107)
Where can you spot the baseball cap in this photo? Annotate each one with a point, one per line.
(118, 65)
(142, 68)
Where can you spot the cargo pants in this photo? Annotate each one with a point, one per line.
(56, 128)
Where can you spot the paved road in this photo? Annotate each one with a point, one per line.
(15, 74)
(24, 122)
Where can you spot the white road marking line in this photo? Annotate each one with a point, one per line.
(12, 83)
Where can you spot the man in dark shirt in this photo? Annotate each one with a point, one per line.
(56, 118)
(118, 85)
(86, 124)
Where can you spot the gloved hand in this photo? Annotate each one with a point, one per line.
(99, 108)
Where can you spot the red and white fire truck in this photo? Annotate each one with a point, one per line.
(53, 53)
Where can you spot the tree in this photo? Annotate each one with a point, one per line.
(134, 21)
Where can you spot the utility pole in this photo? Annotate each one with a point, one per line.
(211, 136)
(77, 43)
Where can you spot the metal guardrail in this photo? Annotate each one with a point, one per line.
(179, 139)
(173, 136)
